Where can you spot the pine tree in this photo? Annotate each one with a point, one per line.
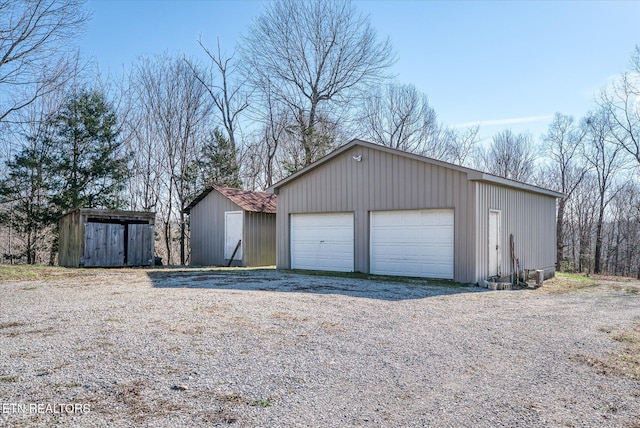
(27, 190)
(90, 166)
(218, 164)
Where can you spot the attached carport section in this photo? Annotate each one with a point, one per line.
(322, 242)
(415, 243)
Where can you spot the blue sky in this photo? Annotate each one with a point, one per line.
(501, 64)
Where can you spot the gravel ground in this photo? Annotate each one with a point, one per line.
(268, 348)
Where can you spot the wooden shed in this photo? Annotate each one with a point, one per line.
(232, 226)
(373, 209)
(106, 238)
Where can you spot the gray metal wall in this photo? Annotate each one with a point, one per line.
(530, 217)
(207, 234)
(207, 230)
(381, 181)
(387, 181)
(259, 234)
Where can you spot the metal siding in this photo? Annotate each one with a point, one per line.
(530, 217)
(381, 181)
(260, 239)
(207, 230)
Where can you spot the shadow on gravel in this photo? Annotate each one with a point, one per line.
(354, 285)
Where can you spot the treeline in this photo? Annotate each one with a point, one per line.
(306, 77)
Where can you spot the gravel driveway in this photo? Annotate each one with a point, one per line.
(267, 348)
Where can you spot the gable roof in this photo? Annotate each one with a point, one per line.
(248, 200)
(472, 174)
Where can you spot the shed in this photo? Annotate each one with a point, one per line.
(232, 225)
(106, 238)
(373, 209)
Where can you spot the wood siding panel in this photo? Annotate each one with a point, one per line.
(72, 238)
(140, 241)
(103, 245)
(380, 182)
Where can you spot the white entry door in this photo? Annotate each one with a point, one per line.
(232, 234)
(494, 243)
(322, 242)
(412, 243)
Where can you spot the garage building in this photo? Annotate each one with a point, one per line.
(372, 209)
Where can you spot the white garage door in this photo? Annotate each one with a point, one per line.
(322, 242)
(412, 243)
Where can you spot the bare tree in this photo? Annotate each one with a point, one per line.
(34, 35)
(226, 93)
(460, 144)
(315, 56)
(174, 117)
(622, 253)
(582, 211)
(606, 160)
(511, 156)
(566, 169)
(399, 116)
(621, 101)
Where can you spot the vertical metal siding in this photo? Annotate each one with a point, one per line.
(259, 238)
(207, 234)
(381, 181)
(207, 230)
(530, 217)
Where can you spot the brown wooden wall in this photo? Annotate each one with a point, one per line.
(96, 238)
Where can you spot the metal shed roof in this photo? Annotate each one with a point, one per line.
(248, 200)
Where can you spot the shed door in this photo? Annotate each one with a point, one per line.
(494, 243)
(140, 245)
(232, 234)
(322, 242)
(103, 244)
(412, 243)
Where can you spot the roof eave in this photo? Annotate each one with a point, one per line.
(472, 174)
(494, 179)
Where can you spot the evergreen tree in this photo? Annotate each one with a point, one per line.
(218, 164)
(27, 190)
(90, 167)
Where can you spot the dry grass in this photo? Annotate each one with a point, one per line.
(38, 273)
(625, 361)
(566, 283)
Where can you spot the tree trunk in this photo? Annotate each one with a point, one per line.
(598, 255)
(182, 237)
(167, 238)
(560, 235)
